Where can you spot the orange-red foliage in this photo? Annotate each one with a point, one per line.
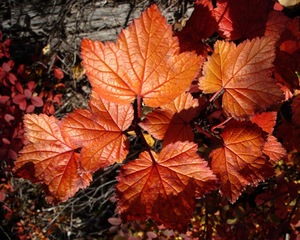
(148, 67)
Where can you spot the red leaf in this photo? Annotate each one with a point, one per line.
(266, 121)
(197, 28)
(4, 99)
(27, 93)
(243, 73)
(2, 74)
(19, 87)
(276, 23)
(172, 121)
(2, 195)
(21, 101)
(30, 108)
(56, 161)
(241, 160)
(100, 132)
(115, 221)
(7, 66)
(164, 187)
(12, 78)
(5, 141)
(274, 149)
(37, 101)
(286, 67)
(8, 117)
(31, 85)
(58, 73)
(242, 19)
(144, 63)
(6, 44)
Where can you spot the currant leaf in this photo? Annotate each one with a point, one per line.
(99, 131)
(243, 73)
(168, 180)
(55, 161)
(171, 122)
(242, 19)
(143, 63)
(240, 161)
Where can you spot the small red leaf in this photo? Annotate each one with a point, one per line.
(274, 149)
(27, 93)
(115, 221)
(31, 85)
(8, 117)
(4, 99)
(19, 87)
(30, 108)
(5, 141)
(37, 101)
(266, 121)
(7, 66)
(58, 73)
(21, 101)
(12, 78)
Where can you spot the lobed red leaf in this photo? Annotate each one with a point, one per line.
(163, 186)
(242, 19)
(171, 122)
(240, 161)
(143, 63)
(243, 73)
(99, 131)
(55, 162)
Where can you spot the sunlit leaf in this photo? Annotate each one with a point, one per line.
(171, 122)
(240, 161)
(56, 161)
(266, 121)
(170, 181)
(99, 131)
(243, 72)
(143, 63)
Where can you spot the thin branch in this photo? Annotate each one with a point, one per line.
(6, 235)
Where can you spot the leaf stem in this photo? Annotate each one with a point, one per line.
(221, 125)
(216, 95)
(139, 107)
(137, 128)
(139, 133)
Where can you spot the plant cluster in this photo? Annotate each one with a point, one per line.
(20, 94)
(211, 96)
(23, 89)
